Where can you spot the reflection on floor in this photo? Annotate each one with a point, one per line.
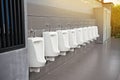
(102, 62)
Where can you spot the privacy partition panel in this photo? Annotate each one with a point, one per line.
(12, 28)
(103, 19)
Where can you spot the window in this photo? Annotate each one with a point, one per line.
(12, 32)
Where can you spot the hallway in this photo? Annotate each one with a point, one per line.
(100, 63)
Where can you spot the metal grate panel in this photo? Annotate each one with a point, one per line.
(12, 31)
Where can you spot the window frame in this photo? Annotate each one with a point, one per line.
(21, 18)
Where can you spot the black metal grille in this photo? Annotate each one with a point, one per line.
(12, 32)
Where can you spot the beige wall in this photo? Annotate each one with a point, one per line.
(77, 13)
(84, 6)
(42, 10)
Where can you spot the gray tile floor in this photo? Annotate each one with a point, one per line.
(100, 63)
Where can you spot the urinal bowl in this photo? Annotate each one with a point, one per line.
(36, 54)
(91, 34)
(63, 41)
(79, 36)
(96, 29)
(51, 45)
(96, 35)
(72, 39)
(85, 33)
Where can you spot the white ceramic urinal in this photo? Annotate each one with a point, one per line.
(36, 54)
(90, 33)
(83, 36)
(51, 45)
(86, 36)
(72, 39)
(79, 36)
(63, 41)
(95, 30)
(93, 33)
